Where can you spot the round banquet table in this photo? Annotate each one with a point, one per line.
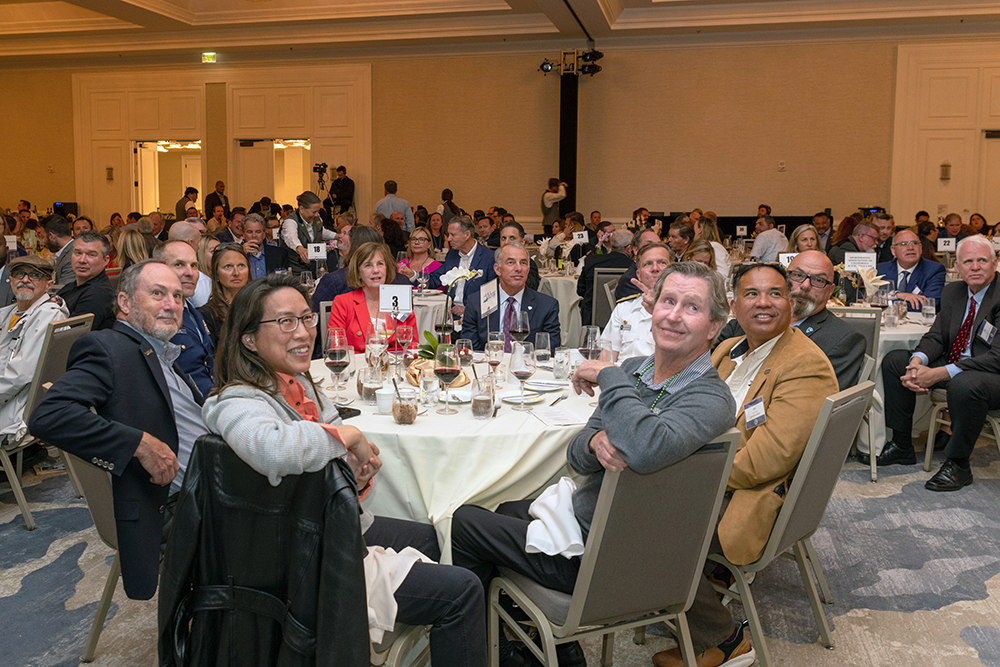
(903, 337)
(428, 308)
(441, 462)
(563, 289)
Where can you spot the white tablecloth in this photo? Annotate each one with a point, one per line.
(904, 337)
(428, 309)
(441, 462)
(563, 289)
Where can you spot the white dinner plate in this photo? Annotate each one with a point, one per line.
(541, 385)
(514, 396)
(457, 396)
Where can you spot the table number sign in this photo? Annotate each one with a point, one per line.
(946, 245)
(317, 251)
(579, 238)
(395, 298)
(489, 297)
(786, 258)
(11, 243)
(741, 230)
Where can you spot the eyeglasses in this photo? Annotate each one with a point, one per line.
(17, 274)
(903, 244)
(290, 324)
(797, 277)
(414, 239)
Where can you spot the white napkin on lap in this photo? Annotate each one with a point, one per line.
(555, 529)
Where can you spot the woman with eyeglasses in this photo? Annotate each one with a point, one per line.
(269, 411)
(230, 272)
(357, 312)
(419, 256)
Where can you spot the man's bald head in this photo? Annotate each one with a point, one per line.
(186, 232)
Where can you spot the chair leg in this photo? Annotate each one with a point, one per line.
(639, 636)
(750, 609)
(932, 430)
(15, 486)
(608, 650)
(824, 588)
(102, 611)
(812, 594)
(995, 425)
(71, 474)
(493, 627)
(872, 459)
(684, 641)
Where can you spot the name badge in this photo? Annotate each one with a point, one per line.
(754, 413)
(987, 332)
(915, 290)
(625, 327)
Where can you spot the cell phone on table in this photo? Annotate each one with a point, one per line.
(347, 413)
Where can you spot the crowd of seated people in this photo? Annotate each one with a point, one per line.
(217, 302)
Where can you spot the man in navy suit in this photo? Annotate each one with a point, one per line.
(263, 258)
(468, 255)
(147, 414)
(915, 279)
(512, 266)
(197, 357)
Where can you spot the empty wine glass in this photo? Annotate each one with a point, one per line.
(446, 368)
(463, 346)
(522, 366)
(606, 354)
(423, 277)
(306, 278)
(346, 375)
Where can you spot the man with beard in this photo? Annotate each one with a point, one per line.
(812, 277)
(58, 237)
(146, 413)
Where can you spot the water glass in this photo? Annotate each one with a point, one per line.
(890, 318)
(929, 312)
(561, 361)
(543, 349)
(482, 398)
(430, 388)
(370, 381)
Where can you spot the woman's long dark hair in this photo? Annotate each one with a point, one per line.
(446, 197)
(235, 363)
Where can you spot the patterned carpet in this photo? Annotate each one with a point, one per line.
(915, 576)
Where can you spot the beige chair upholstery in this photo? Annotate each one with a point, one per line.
(939, 404)
(653, 527)
(396, 645)
(324, 320)
(601, 310)
(799, 517)
(59, 338)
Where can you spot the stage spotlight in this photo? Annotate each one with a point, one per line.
(591, 56)
(590, 68)
(546, 66)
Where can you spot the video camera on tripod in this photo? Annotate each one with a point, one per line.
(320, 170)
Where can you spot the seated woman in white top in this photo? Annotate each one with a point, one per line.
(268, 410)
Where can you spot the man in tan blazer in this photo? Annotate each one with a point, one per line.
(779, 379)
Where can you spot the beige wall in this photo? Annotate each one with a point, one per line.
(36, 131)
(666, 129)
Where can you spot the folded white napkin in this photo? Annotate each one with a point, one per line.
(555, 529)
(385, 570)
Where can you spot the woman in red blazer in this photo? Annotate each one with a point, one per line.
(356, 312)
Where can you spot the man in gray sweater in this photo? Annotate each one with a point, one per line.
(652, 412)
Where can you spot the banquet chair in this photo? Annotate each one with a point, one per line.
(324, 319)
(96, 486)
(601, 307)
(646, 527)
(799, 517)
(59, 338)
(939, 404)
(395, 646)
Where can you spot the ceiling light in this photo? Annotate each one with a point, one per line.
(590, 68)
(546, 66)
(591, 56)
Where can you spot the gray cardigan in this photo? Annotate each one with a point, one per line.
(688, 417)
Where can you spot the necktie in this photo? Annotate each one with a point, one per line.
(509, 322)
(903, 278)
(963, 334)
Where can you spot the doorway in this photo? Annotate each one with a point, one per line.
(164, 169)
(280, 169)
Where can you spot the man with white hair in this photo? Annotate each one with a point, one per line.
(617, 258)
(960, 353)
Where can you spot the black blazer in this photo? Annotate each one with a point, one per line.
(937, 342)
(275, 258)
(543, 316)
(117, 372)
(844, 347)
(585, 284)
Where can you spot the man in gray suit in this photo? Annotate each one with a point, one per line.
(812, 277)
(59, 240)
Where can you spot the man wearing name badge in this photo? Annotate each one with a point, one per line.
(197, 357)
(960, 353)
(915, 280)
(146, 414)
(630, 328)
(513, 297)
(470, 256)
(778, 380)
(812, 277)
(652, 412)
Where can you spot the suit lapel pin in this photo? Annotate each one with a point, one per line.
(809, 331)
(766, 371)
